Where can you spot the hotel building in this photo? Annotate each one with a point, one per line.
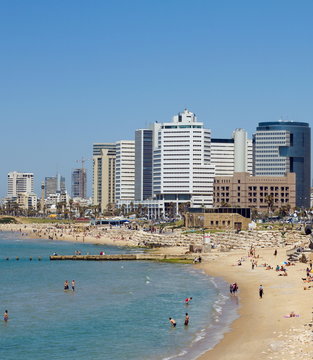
(20, 183)
(182, 172)
(125, 171)
(103, 185)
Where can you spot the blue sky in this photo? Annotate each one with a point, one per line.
(77, 72)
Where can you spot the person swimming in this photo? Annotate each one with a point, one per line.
(6, 315)
(172, 321)
(187, 300)
(73, 285)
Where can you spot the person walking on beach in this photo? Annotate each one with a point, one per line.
(235, 288)
(73, 285)
(172, 322)
(261, 291)
(6, 315)
(231, 289)
(186, 319)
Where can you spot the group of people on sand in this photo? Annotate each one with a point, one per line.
(67, 287)
(233, 289)
(186, 321)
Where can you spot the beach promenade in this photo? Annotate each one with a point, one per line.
(263, 330)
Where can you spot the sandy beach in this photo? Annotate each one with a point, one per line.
(262, 330)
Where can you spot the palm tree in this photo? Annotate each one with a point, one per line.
(224, 204)
(171, 210)
(270, 203)
(139, 210)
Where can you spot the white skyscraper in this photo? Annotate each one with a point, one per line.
(125, 171)
(232, 155)
(181, 162)
(20, 183)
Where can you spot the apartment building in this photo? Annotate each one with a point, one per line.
(125, 171)
(103, 185)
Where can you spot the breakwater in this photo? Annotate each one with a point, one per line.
(123, 257)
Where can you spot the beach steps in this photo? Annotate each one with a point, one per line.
(123, 257)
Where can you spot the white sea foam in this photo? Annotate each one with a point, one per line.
(182, 353)
(199, 336)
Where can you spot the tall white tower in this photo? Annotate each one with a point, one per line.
(125, 170)
(181, 161)
(241, 151)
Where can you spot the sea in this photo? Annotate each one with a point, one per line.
(119, 309)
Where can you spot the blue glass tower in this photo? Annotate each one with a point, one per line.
(281, 147)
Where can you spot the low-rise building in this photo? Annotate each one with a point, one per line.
(218, 218)
(27, 201)
(263, 193)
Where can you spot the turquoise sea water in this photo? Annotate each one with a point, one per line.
(119, 310)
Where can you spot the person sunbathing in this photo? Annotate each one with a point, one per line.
(291, 315)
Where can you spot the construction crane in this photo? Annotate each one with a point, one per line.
(82, 160)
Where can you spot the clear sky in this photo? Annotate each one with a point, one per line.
(77, 72)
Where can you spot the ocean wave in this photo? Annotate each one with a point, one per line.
(182, 353)
(199, 336)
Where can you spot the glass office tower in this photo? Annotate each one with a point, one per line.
(281, 147)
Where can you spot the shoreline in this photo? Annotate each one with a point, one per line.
(261, 331)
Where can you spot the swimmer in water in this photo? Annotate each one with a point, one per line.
(186, 319)
(6, 315)
(187, 300)
(73, 285)
(66, 285)
(172, 321)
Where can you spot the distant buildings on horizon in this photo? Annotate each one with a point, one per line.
(178, 163)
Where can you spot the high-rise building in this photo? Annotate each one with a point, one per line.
(125, 171)
(281, 147)
(54, 185)
(232, 155)
(20, 183)
(79, 183)
(143, 164)
(103, 185)
(182, 171)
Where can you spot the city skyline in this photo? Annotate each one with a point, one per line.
(74, 75)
